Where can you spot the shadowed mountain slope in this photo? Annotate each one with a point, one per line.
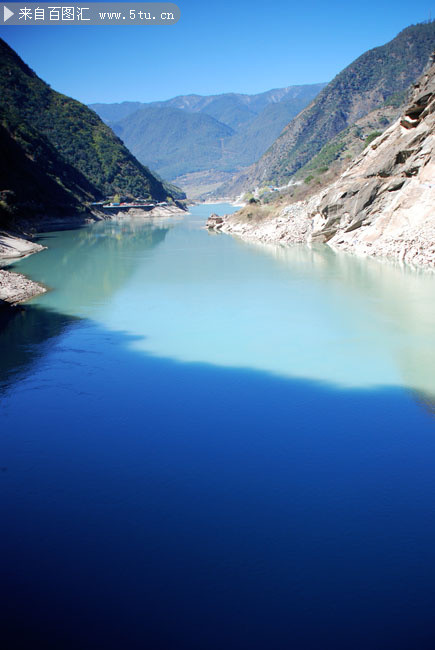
(57, 153)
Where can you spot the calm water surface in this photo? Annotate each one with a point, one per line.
(208, 444)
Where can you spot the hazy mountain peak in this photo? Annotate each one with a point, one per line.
(221, 133)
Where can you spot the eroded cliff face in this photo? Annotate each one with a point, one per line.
(384, 203)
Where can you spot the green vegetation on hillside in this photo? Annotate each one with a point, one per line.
(371, 136)
(35, 180)
(335, 156)
(64, 142)
(170, 138)
(377, 78)
(191, 133)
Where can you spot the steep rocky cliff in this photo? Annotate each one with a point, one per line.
(383, 204)
(377, 78)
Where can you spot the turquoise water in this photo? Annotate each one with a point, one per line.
(188, 295)
(207, 443)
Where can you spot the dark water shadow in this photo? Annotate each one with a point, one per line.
(25, 333)
(97, 262)
(149, 503)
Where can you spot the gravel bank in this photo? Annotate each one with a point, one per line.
(15, 288)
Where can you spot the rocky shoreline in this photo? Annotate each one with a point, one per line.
(295, 224)
(158, 211)
(290, 225)
(16, 288)
(14, 247)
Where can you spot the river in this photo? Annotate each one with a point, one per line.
(211, 444)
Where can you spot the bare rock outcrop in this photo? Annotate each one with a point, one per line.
(289, 226)
(214, 222)
(12, 247)
(15, 288)
(384, 203)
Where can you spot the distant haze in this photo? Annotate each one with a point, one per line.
(193, 133)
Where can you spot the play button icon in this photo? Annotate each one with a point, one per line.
(7, 13)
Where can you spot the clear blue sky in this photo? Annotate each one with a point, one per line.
(217, 46)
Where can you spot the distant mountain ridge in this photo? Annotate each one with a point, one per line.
(198, 133)
(169, 139)
(57, 154)
(366, 84)
(214, 105)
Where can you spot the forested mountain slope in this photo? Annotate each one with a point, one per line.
(193, 133)
(57, 154)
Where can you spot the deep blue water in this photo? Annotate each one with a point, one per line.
(155, 502)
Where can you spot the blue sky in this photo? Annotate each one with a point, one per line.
(217, 46)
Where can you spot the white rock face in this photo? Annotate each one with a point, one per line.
(290, 226)
(15, 288)
(158, 211)
(383, 204)
(14, 247)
